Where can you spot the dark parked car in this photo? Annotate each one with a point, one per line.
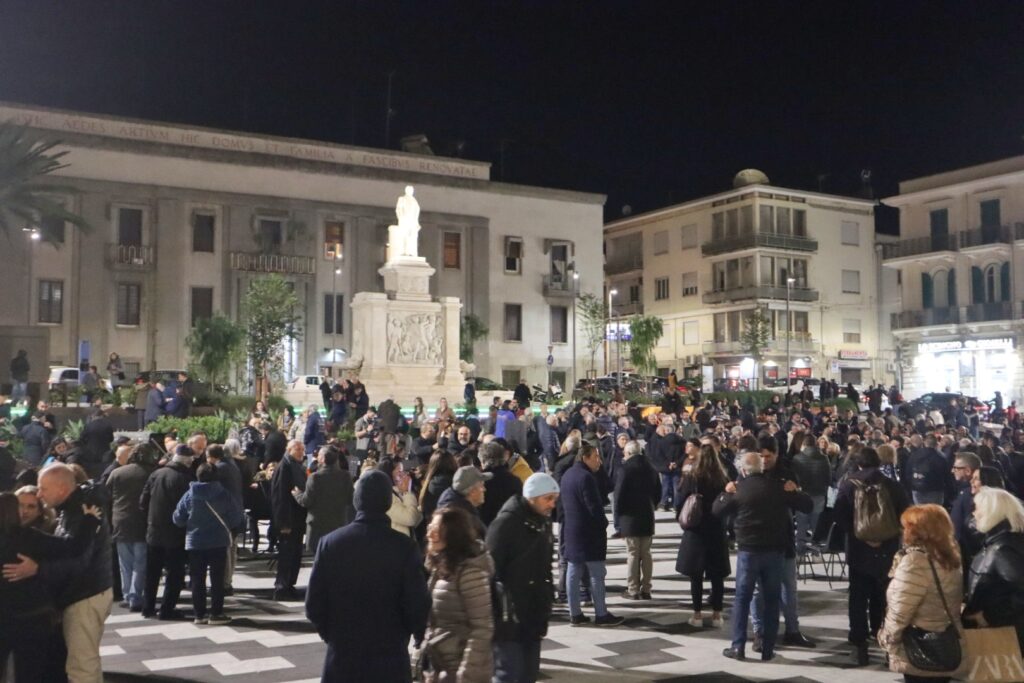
(940, 401)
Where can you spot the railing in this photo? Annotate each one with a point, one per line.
(131, 255)
(988, 312)
(965, 239)
(760, 292)
(558, 286)
(923, 318)
(623, 265)
(801, 342)
(272, 263)
(635, 308)
(758, 239)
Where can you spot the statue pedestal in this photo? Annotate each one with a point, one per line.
(407, 278)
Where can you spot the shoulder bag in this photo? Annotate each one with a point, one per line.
(934, 651)
(692, 512)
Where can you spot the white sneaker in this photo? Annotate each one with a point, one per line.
(696, 621)
(716, 622)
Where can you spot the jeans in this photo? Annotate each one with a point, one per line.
(640, 564)
(575, 576)
(697, 592)
(669, 484)
(132, 559)
(18, 390)
(516, 661)
(866, 605)
(790, 602)
(563, 567)
(199, 561)
(174, 560)
(807, 522)
(926, 497)
(140, 419)
(765, 568)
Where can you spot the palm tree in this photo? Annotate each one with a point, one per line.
(25, 201)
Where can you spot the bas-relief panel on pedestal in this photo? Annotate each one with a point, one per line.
(415, 338)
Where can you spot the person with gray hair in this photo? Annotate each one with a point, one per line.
(289, 518)
(327, 497)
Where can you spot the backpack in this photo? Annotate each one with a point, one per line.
(874, 515)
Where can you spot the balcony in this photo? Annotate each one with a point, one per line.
(760, 292)
(258, 262)
(623, 310)
(623, 265)
(989, 235)
(923, 318)
(758, 239)
(989, 312)
(801, 342)
(131, 256)
(558, 287)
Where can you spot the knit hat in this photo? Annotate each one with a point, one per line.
(468, 477)
(539, 484)
(183, 455)
(373, 492)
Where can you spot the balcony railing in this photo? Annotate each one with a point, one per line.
(801, 342)
(558, 286)
(131, 256)
(758, 239)
(255, 262)
(623, 265)
(989, 312)
(925, 317)
(622, 310)
(965, 239)
(760, 292)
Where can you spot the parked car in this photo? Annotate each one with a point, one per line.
(941, 400)
(304, 390)
(64, 376)
(487, 390)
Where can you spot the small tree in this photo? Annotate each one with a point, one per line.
(645, 331)
(757, 334)
(214, 344)
(593, 315)
(471, 329)
(269, 312)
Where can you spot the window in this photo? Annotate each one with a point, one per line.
(129, 227)
(53, 228)
(510, 378)
(717, 226)
(747, 219)
(661, 242)
(270, 232)
(800, 320)
(202, 304)
(514, 322)
(799, 223)
(851, 330)
(690, 284)
(691, 332)
(452, 250)
(559, 325)
(334, 313)
(767, 218)
(661, 288)
(689, 236)
(128, 299)
(851, 282)
(51, 301)
(634, 294)
(850, 233)
(203, 232)
(782, 220)
(990, 213)
(334, 240)
(513, 255)
(719, 327)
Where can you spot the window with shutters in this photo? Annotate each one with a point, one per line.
(510, 376)
(202, 304)
(689, 236)
(203, 232)
(691, 332)
(334, 313)
(334, 240)
(51, 301)
(690, 284)
(850, 233)
(851, 282)
(513, 327)
(271, 232)
(660, 242)
(559, 325)
(851, 330)
(660, 288)
(128, 303)
(634, 294)
(453, 250)
(991, 214)
(513, 255)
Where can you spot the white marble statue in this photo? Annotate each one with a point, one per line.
(403, 238)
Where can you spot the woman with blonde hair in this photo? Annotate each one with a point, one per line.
(887, 455)
(926, 586)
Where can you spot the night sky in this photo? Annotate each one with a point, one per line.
(649, 103)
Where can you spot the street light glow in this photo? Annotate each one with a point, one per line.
(613, 292)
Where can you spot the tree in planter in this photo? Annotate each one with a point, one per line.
(756, 335)
(593, 315)
(645, 331)
(269, 311)
(214, 344)
(471, 329)
(25, 202)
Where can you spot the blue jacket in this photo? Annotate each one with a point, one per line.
(313, 437)
(583, 512)
(198, 510)
(367, 595)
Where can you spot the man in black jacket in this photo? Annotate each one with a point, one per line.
(637, 491)
(666, 453)
(165, 542)
(764, 529)
(502, 485)
(928, 476)
(289, 518)
(520, 543)
(522, 394)
(274, 443)
(94, 444)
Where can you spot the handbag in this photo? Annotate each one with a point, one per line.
(692, 511)
(993, 655)
(934, 651)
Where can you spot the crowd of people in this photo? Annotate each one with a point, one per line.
(444, 531)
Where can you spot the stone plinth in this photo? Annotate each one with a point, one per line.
(407, 278)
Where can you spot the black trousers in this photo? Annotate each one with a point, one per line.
(289, 559)
(38, 648)
(866, 605)
(717, 592)
(199, 561)
(157, 560)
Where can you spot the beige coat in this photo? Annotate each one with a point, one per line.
(914, 601)
(461, 622)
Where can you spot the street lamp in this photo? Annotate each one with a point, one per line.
(34, 236)
(575, 295)
(789, 326)
(334, 303)
(618, 348)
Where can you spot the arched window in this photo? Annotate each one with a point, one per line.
(991, 284)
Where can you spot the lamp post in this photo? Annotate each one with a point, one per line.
(618, 351)
(337, 313)
(789, 326)
(575, 295)
(33, 236)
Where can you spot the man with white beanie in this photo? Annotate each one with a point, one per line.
(520, 542)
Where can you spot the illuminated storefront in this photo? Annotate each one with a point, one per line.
(977, 367)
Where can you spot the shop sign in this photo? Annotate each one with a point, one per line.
(966, 345)
(850, 354)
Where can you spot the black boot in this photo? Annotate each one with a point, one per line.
(859, 655)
